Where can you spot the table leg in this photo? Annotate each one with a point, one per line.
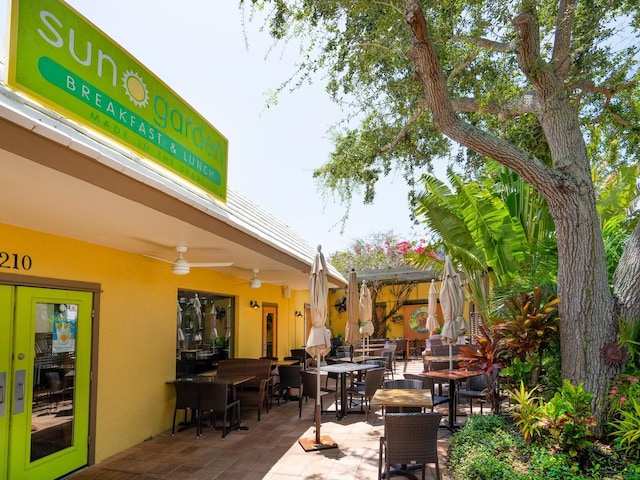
(234, 397)
(343, 396)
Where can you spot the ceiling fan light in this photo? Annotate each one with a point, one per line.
(180, 267)
(255, 283)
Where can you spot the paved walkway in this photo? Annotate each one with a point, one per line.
(269, 449)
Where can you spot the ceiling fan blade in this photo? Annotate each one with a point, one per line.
(211, 264)
(158, 258)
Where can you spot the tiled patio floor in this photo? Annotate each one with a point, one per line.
(269, 449)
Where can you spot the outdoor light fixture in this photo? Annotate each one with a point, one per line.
(298, 313)
(254, 304)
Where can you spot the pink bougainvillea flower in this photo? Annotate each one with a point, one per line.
(633, 379)
(623, 399)
(614, 391)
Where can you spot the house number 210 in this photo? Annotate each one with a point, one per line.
(15, 261)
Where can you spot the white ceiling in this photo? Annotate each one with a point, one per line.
(38, 193)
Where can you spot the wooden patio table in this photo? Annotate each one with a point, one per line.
(402, 397)
(453, 376)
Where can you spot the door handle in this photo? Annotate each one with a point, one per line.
(3, 384)
(18, 404)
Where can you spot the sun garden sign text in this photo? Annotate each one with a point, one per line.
(65, 62)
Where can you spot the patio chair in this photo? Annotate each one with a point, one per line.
(442, 350)
(372, 382)
(214, 399)
(390, 358)
(475, 390)
(409, 438)
(433, 366)
(300, 353)
(290, 379)
(310, 390)
(187, 399)
(428, 383)
(403, 383)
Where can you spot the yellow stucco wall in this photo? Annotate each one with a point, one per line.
(337, 321)
(137, 326)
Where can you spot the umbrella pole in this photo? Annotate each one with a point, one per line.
(318, 400)
(317, 443)
(450, 357)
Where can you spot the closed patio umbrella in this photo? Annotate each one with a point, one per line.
(319, 341)
(180, 332)
(197, 321)
(352, 334)
(452, 303)
(366, 311)
(227, 323)
(213, 333)
(432, 317)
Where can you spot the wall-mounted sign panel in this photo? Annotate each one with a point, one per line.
(68, 64)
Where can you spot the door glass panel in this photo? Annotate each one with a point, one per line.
(53, 379)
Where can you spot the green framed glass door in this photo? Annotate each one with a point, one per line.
(46, 424)
(6, 314)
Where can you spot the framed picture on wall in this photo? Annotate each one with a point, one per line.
(416, 327)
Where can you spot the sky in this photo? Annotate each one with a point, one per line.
(199, 49)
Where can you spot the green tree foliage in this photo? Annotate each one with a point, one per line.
(547, 89)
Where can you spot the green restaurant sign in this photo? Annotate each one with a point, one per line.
(65, 62)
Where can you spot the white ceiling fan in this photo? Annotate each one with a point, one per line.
(256, 282)
(180, 266)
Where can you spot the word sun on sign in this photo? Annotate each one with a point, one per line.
(64, 60)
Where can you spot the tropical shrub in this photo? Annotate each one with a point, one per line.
(569, 419)
(626, 430)
(490, 447)
(528, 325)
(526, 412)
(486, 354)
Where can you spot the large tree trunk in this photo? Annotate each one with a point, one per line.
(586, 308)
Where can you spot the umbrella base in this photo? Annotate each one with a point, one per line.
(309, 444)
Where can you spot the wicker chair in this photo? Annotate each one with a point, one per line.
(403, 383)
(372, 381)
(310, 390)
(187, 398)
(214, 399)
(475, 390)
(409, 438)
(290, 379)
(428, 383)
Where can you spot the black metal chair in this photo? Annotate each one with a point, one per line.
(409, 439)
(187, 399)
(214, 399)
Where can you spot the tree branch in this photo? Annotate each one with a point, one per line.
(429, 72)
(526, 104)
(529, 59)
(486, 43)
(560, 56)
(463, 65)
(403, 131)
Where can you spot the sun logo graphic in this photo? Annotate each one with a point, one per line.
(135, 88)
